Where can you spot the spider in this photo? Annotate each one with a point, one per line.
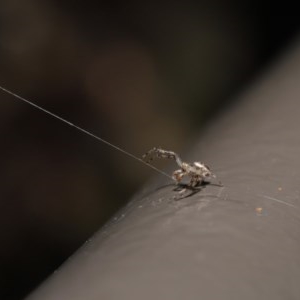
(198, 172)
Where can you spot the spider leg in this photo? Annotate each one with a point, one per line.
(195, 180)
(161, 153)
(151, 154)
(178, 174)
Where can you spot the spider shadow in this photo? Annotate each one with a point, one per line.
(186, 191)
(191, 190)
(182, 188)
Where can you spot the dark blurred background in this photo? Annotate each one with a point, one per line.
(139, 74)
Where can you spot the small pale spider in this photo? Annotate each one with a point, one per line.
(197, 171)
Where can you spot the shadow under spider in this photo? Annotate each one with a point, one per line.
(186, 191)
(182, 188)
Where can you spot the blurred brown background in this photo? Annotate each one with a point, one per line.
(139, 74)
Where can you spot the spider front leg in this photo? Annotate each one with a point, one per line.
(161, 153)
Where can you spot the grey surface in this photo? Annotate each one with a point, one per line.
(216, 244)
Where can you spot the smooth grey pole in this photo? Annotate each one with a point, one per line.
(240, 241)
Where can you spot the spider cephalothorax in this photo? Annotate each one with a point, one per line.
(197, 171)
